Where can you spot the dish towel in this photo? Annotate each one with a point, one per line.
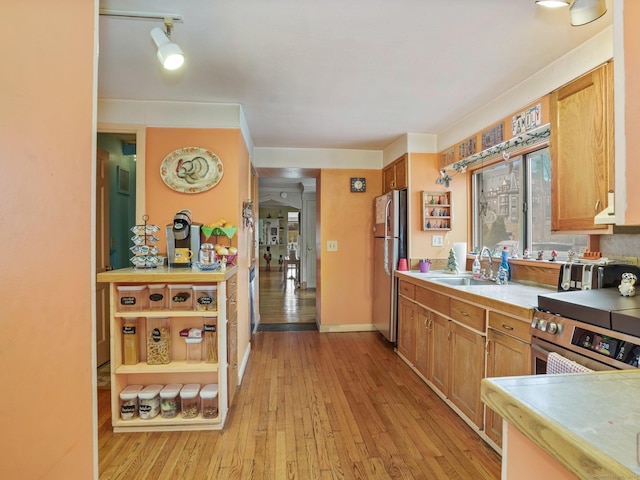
(556, 363)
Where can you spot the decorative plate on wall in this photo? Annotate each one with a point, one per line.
(191, 170)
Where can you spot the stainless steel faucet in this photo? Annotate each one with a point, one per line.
(491, 276)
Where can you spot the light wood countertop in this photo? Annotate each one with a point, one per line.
(587, 422)
(165, 274)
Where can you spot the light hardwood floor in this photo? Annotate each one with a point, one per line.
(282, 302)
(311, 406)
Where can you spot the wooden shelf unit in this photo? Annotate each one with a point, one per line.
(178, 370)
(436, 211)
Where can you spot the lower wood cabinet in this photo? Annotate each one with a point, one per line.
(506, 356)
(447, 354)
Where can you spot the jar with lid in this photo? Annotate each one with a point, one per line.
(130, 342)
(209, 401)
(149, 401)
(189, 400)
(129, 401)
(210, 340)
(157, 296)
(169, 400)
(158, 341)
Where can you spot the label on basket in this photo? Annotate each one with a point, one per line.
(181, 297)
(210, 328)
(129, 330)
(156, 297)
(205, 300)
(127, 300)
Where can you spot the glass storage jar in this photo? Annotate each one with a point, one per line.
(169, 400)
(209, 401)
(129, 401)
(158, 341)
(149, 401)
(157, 295)
(130, 342)
(189, 400)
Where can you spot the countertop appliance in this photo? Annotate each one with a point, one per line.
(590, 324)
(183, 235)
(390, 244)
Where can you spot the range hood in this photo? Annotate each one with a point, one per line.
(606, 216)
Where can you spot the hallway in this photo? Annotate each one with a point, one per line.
(281, 302)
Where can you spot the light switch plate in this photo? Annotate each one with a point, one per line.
(332, 245)
(436, 240)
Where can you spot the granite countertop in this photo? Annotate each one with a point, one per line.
(588, 422)
(517, 293)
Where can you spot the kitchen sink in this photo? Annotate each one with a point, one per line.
(458, 281)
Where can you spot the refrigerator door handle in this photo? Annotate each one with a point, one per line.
(386, 257)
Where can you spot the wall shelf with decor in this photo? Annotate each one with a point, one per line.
(436, 210)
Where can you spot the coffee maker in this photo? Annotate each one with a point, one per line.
(183, 240)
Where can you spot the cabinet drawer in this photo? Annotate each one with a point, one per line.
(432, 300)
(407, 289)
(468, 314)
(510, 326)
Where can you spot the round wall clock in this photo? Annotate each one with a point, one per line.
(191, 170)
(358, 184)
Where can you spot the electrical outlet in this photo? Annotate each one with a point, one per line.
(332, 245)
(436, 241)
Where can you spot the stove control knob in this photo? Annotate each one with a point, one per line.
(534, 323)
(552, 328)
(542, 325)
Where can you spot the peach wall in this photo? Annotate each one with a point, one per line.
(423, 172)
(632, 110)
(223, 200)
(524, 460)
(345, 281)
(47, 134)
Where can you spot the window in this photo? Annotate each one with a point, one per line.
(512, 207)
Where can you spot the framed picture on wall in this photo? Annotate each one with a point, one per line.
(122, 177)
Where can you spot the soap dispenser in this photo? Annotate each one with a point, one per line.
(505, 263)
(475, 268)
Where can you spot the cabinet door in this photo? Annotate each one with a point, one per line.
(467, 371)
(407, 329)
(507, 356)
(581, 150)
(439, 353)
(423, 328)
(388, 178)
(401, 173)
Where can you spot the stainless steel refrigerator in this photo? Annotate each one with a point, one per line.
(390, 244)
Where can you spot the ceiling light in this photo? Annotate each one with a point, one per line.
(169, 54)
(586, 11)
(553, 3)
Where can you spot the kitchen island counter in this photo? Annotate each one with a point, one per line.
(588, 423)
(166, 274)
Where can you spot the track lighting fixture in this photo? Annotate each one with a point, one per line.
(580, 11)
(169, 54)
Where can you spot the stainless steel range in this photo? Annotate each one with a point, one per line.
(588, 321)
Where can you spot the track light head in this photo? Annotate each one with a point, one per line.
(586, 11)
(169, 54)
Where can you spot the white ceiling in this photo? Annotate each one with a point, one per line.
(353, 74)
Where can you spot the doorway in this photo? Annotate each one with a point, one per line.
(287, 239)
(115, 215)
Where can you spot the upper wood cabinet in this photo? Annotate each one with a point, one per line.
(394, 175)
(582, 150)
